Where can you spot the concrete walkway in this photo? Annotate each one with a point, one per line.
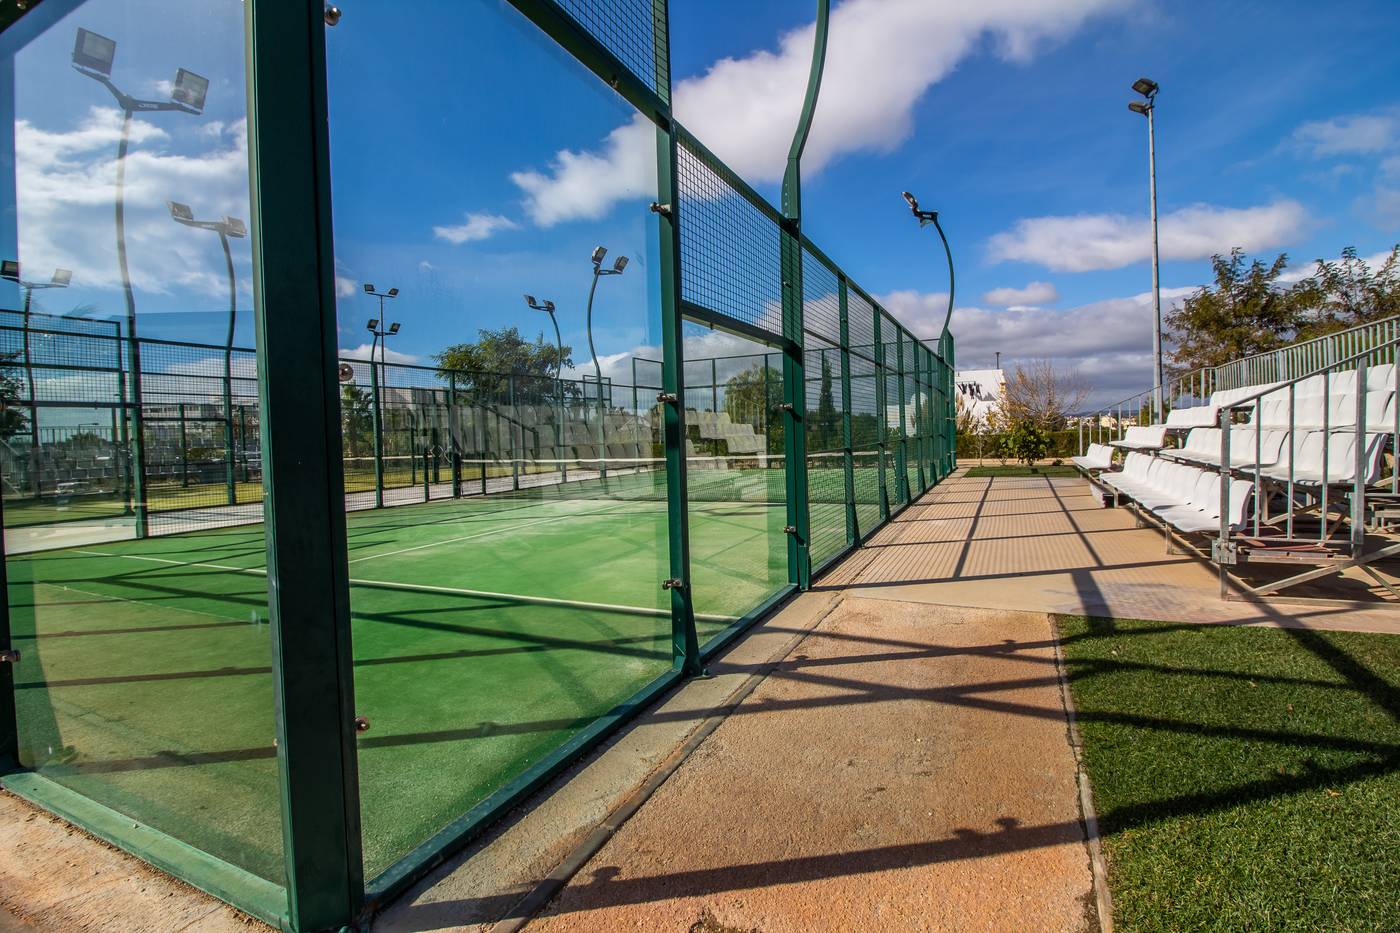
(904, 768)
(1049, 545)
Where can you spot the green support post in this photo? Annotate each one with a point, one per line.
(901, 454)
(685, 641)
(794, 373)
(304, 505)
(511, 426)
(377, 421)
(920, 404)
(881, 427)
(847, 434)
(184, 448)
(9, 247)
(714, 386)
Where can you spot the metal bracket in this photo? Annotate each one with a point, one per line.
(332, 15)
(9, 656)
(1225, 553)
(789, 529)
(658, 208)
(361, 724)
(672, 584)
(667, 397)
(787, 406)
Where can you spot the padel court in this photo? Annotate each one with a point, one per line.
(486, 631)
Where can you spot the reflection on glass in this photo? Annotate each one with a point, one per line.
(503, 454)
(128, 441)
(735, 476)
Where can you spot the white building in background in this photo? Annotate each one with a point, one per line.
(979, 391)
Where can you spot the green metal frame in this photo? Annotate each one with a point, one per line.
(295, 323)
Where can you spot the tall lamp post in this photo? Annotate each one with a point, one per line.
(950, 428)
(1148, 89)
(381, 336)
(9, 269)
(226, 228)
(547, 307)
(619, 264)
(93, 55)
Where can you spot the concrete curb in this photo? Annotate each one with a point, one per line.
(1098, 866)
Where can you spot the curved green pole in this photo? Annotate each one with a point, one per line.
(798, 528)
(949, 253)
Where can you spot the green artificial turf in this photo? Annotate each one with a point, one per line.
(1245, 778)
(146, 682)
(979, 472)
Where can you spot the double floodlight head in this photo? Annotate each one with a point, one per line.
(94, 54)
(9, 269)
(924, 217)
(391, 293)
(228, 226)
(546, 306)
(599, 253)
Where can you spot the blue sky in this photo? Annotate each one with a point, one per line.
(473, 162)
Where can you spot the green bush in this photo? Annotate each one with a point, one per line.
(1027, 442)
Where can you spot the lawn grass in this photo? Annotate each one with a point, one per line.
(1021, 470)
(1245, 778)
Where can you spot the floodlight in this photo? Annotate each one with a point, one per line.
(180, 212)
(394, 327)
(373, 323)
(598, 253)
(393, 293)
(530, 300)
(190, 89)
(1145, 86)
(61, 278)
(369, 288)
(1138, 106)
(94, 52)
(913, 202)
(234, 227)
(619, 264)
(9, 269)
(549, 305)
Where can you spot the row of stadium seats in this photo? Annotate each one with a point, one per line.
(1183, 496)
(1311, 455)
(1380, 379)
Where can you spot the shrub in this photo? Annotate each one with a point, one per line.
(1027, 442)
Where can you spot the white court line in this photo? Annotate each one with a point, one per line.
(448, 590)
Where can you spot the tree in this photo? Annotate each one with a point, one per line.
(1027, 442)
(825, 428)
(1347, 292)
(488, 367)
(1245, 311)
(14, 418)
(755, 396)
(1042, 395)
(357, 419)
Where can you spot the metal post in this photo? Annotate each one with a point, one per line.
(304, 506)
(454, 447)
(685, 642)
(9, 246)
(1156, 260)
(881, 427)
(714, 386)
(377, 420)
(517, 440)
(847, 441)
(184, 448)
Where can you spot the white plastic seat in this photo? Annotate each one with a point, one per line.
(1380, 377)
(1191, 519)
(1202, 446)
(1097, 457)
(1143, 437)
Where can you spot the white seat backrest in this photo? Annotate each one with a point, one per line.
(1184, 482)
(1381, 376)
(1341, 456)
(1308, 454)
(1205, 490)
(1344, 382)
(1313, 385)
(1341, 411)
(1308, 411)
(1241, 491)
(1383, 420)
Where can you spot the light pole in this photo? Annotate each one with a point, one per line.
(93, 55)
(226, 228)
(1148, 89)
(619, 264)
(547, 307)
(931, 217)
(9, 269)
(381, 335)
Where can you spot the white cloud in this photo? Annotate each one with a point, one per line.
(745, 109)
(1036, 293)
(346, 287)
(1108, 341)
(1353, 134)
(362, 352)
(65, 183)
(1086, 242)
(479, 226)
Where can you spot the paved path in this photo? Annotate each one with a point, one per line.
(905, 768)
(1049, 545)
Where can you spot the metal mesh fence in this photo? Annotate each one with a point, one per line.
(629, 29)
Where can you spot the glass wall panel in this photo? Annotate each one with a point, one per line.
(128, 445)
(735, 476)
(508, 532)
(866, 416)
